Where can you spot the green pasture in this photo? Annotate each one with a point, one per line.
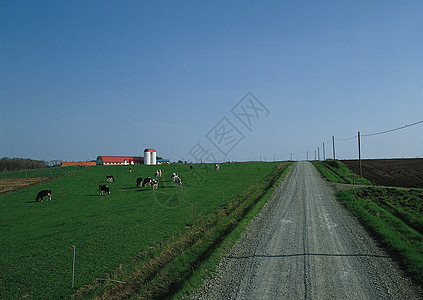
(37, 237)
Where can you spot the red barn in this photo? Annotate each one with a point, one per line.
(119, 160)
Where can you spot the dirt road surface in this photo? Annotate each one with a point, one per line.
(305, 245)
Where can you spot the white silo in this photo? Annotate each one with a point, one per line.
(147, 157)
(153, 157)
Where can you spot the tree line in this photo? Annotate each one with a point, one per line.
(17, 164)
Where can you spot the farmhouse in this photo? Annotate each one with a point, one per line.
(119, 160)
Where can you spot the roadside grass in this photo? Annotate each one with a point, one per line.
(395, 217)
(336, 171)
(162, 271)
(109, 232)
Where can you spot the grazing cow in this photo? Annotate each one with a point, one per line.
(146, 181)
(130, 170)
(217, 167)
(177, 180)
(42, 194)
(158, 173)
(104, 189)
(139, 181)
(155, 184)
(174, 175)
(110, 178)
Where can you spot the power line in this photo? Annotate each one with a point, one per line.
(366, 135)
(354, 137)
(382, 132)
(333, 139)
(402, 127)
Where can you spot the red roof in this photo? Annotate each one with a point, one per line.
(149, 150)
(121, 159)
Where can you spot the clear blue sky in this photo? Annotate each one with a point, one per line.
(80, 79)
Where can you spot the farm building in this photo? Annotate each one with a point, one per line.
(163, 161)
(119, 160)
(77, 163)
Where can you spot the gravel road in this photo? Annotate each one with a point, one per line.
(305, 245)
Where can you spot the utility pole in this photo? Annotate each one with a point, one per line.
(291, 156)
(359, 155)
(315, 155)
(324, 154)
(318, 153)
(333, 143)
(307, 155)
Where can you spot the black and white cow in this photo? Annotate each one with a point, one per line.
(177, 180)
(217, 167)
(174, 175)
(139, 181)
(104, 189)
(158, 173)
(110, 178)
(42, 194)
(155, 184)
(130, 170)
(146, 181)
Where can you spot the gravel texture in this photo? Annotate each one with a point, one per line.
(305, 245)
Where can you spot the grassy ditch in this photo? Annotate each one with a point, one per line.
(396, 218)
(336, 171)
(161, 271)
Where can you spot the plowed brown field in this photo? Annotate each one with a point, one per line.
(10, 184)
(391, 172)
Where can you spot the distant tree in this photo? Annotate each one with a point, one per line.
(16, 164)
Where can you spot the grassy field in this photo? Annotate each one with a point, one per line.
(107, 231)
(336, 171)
(163, 270)
(395, 217)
